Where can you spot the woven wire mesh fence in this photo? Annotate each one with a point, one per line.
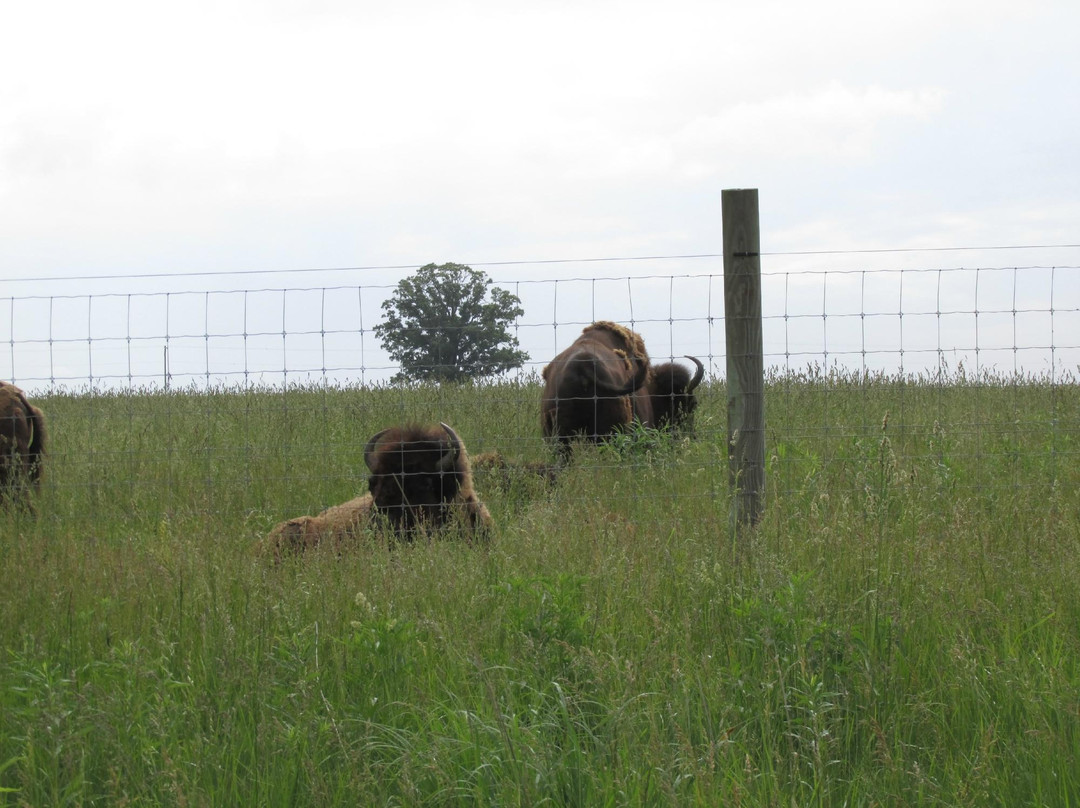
(954, 385)
(257, 402)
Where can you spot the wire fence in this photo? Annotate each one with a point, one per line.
(967, 375)
(1018, 320)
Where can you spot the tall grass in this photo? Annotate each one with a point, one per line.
(902, 627)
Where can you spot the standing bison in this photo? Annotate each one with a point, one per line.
(22, 445)
(421, 480)
(671, 391)
(596, 386)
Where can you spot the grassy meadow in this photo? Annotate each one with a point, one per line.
(902, 627)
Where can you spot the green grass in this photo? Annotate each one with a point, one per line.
(902, 628)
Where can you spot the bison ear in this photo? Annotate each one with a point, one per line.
(449, 459)
(698, 375)
(369, 450)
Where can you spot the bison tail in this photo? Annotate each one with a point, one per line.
(699, 374)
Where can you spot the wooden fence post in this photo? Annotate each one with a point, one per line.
(745, 355)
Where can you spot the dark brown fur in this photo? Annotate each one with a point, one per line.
(671, 390)
(421, 480)
(596, 386)
(22, 445)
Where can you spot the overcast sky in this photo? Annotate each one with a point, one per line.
(143, 137)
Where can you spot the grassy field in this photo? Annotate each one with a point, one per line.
(902, 628)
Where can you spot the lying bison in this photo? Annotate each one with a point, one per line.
(22, 445)
(671, 392)
(421, 480)
(596, 386)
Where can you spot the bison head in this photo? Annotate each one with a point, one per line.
(416, 473)
(671, 390)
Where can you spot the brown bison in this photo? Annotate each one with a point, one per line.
(421, 479)
(22, 445)
(598, 385)
(671, 391)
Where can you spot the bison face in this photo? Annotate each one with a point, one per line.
(672, 393)
(416, 474)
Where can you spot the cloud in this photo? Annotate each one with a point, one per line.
(836, 124)
(335, 129)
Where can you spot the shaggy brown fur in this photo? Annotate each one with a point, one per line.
(337, 526)
(672, 393)
(630, 340)
(596, 386)
(421, 479)
(22, 446)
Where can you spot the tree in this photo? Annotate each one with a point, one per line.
(440, 327)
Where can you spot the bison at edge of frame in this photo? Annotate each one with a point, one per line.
(22, 446)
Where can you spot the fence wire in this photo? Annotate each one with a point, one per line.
(950, 379)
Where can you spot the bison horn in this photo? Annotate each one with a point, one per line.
(449, 460)
(698, 375)
(369, 450)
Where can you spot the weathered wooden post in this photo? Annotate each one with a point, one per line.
(745, 355)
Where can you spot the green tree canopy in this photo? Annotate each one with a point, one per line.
(441, 325)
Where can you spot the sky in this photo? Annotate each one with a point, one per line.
(149, 149)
